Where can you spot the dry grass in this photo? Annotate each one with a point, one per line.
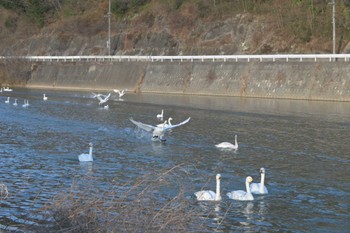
(143, 205)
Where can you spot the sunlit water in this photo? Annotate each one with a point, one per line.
(304, 147)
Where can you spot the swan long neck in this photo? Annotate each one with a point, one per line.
(90, 151)
(217, 194)
(262, 182)
(247, 186)
(236, 144)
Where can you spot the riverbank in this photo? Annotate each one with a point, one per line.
(282, 80)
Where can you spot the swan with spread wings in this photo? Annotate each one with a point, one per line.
(159, 130)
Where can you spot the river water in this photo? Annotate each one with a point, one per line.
(303, 145)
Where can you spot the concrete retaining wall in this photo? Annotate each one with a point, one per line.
(295, 80)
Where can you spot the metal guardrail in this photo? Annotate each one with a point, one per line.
(202, 58)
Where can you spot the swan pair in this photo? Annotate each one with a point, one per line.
(240, 195)
(228, 145)
(158, 130)
(86, 157)
(25, 104)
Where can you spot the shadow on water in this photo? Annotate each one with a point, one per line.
(301, 144)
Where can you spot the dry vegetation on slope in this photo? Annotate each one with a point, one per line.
(171, 27)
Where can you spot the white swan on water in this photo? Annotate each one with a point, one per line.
(121, 93)
(159, 130)
(228, 145)
(15, 103)
(87, 157)
(259, 188)
(44, 97)
(166, 123)
(7, 89)
(25, 103)
(208, 195)
(160, 116)
(241, 195)
(7, 101)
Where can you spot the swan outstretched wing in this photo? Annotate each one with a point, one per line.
(142, 125)
(168, 127)
(103, 100)
(107, 96)
(99, 98)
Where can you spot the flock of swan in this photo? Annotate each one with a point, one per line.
(239, 195)
(158, 133)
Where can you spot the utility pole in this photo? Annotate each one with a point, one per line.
(333, 3)
(109, 28)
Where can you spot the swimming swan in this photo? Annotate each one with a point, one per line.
(259, 188)
(15, 103)
(166, 123)
(241, 195)
(44, 97)
(228, 145)
(158, 131)
(7, 101)
(26, 103)
(87, 157)
(7, 89)
(160, 116)
(208, 195)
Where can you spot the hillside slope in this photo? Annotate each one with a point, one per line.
(171, 27)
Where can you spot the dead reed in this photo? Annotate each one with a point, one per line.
(142, 205)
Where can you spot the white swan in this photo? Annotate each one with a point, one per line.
(103, 100)
(163, 124)
(7, 89)
(166, 123)
(121, 93)
(26, 103)
(87, 157)
(158, 131)
(228, 145)
(241, 195)
(208, 195)
(259, 188)
(44, 97)
(15, 103)
(160, 116)
(7, 101)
